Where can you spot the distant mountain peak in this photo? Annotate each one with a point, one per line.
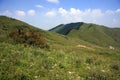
(93, 33)
(66, 28)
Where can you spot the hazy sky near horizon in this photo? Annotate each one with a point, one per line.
(46, 14)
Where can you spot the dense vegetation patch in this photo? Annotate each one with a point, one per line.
(29, 37)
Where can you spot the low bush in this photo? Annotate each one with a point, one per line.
(28, 37)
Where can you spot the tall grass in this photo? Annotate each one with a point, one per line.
(19, 62)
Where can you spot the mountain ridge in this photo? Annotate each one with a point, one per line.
(70, 26)
(12, 26)
(93, 33)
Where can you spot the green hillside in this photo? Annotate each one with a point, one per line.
(30, 53)
(11, 27)
(95, 34)
(8, 25)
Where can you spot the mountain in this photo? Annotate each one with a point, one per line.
(95, 34)
(30, 53)
(10, 32)
(65, 29)
(16, 31)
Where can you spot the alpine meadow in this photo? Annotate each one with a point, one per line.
(59, 39)
(67, 52)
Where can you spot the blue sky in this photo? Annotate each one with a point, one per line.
(46, 14)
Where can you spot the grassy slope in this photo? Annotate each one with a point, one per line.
(92, 33)
(8, 24)
(21, 63)
(65, 60)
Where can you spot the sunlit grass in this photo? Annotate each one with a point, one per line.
(22, 63)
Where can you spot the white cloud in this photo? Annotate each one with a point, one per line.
(118, 11)
(109, 18)
(109, 12)
(51, 14)
(96, 13)
(62, 11)
(74, 11)
(114, 20)
(7, 13)
(31, 12)
(20, 13)
(74, 14)
(53, 1)
(39, 6)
